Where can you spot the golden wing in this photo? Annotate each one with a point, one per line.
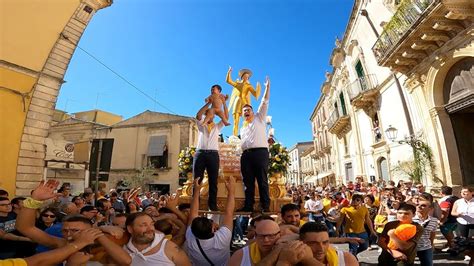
(257, 93)
(234, 99)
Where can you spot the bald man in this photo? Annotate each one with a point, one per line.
(267, 233)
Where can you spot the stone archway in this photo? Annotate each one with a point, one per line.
(458, 94)
(440, 133)
(30, 164)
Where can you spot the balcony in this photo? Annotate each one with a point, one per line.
(364, 92)
(339, 125)
(419, 28)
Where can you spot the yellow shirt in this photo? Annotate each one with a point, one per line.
(377, 201)
(379, 219)
(355, 219)
(302, 223)
(326, 205)
(13, 262)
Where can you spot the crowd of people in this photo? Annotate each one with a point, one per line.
(133, 228)
(50, 227)
(378, 214)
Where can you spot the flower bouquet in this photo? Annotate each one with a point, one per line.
(279, 159)
(185, 161)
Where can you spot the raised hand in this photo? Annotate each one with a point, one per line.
(172, 201)
(114, 231)
(45, 190)
(267, 82)
(230, 184)
(230, 69)
(88, 236)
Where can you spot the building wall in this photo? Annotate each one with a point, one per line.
(33, 61)
(294, 170)
(131, 141)
(420, 86)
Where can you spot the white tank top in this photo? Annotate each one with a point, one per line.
(158, 258)
(246, 257)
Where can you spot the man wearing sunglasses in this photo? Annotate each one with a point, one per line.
(71, 226)
(354, 217)
(11, 241)
(424, 248)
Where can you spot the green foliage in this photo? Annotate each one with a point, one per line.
(279, 159)
(185, 160)
(422, 165)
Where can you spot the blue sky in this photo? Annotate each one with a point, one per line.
(174, 50)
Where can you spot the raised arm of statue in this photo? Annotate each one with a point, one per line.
(228, 78)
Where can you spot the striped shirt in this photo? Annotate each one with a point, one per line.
(429, 225)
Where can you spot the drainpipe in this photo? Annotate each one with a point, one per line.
(364, 13)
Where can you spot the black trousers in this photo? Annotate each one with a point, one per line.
(207, 160)
(254, 165)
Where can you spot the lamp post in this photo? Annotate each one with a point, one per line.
(391, 133)
(416, 145)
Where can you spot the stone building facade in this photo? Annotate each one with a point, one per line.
(295, 174)
(36, 50)
(402, 79)
(138, 146)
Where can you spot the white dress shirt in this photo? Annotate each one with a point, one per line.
(208, 140)
(216, 248)
(254, 134)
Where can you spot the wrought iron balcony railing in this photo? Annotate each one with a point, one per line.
(407, 16)
(362, 84)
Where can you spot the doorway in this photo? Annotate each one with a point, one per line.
(458, 92)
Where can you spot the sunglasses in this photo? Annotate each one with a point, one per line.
(49, 215)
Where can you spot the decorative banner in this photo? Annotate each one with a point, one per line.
(60, 150)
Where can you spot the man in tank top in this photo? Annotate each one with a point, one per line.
(149, 247)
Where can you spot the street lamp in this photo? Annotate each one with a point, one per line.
(391, 133)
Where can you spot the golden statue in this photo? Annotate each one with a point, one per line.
(240, 95)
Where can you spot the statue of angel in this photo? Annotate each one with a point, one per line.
(240, 95)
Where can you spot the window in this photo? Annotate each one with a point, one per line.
(346, 146)
(343, 104)
(359, 69)
(158, 152)
(376, 128)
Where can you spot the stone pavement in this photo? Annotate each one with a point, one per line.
(370, 257)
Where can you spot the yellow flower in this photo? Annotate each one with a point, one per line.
(277, 158)
(187, 160)
(181, 155)
(192, 153)
(274, 164)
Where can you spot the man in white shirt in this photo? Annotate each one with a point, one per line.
(254, 160)
(463, 209)
(206, 242)
(314, 207)
(207, 156)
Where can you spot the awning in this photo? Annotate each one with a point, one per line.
(310, 179)
(156, 145)
(314, 178)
